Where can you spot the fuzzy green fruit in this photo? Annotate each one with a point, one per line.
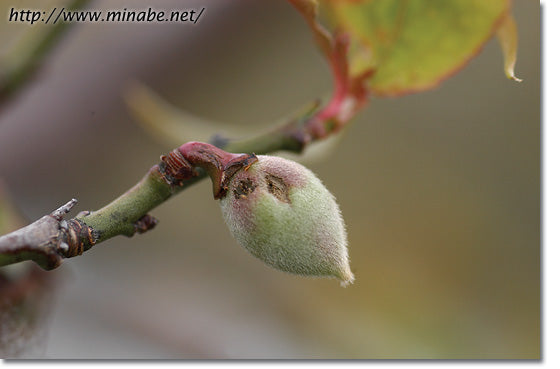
(281, 213)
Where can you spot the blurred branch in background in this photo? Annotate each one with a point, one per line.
(22, 64)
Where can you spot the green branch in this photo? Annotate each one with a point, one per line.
(50, 239)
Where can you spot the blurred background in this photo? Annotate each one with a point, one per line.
(440, 192)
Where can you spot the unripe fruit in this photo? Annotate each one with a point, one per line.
(276, 208)
(281, 213)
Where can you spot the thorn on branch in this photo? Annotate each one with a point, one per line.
(64, 209)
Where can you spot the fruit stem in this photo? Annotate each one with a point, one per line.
(219, 164)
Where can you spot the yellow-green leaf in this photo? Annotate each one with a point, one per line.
(414, 44)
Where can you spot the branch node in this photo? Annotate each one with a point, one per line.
(176, 168)
(75, 238)
(145, 223)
